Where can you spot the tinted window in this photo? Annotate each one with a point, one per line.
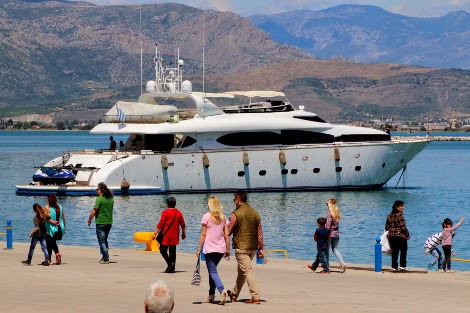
(287, 137)
(311, 118)
(363, 137)
(188, 141)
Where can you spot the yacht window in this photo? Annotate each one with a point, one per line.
(358, 168)
(339, 169)
(287, 137)
(241, 173)
(311, 118)
(160, 143)
(250, 139)
(294, 171)
(188, 141)
(284, 171)
(363, 137)
(262, 173)
(316, 170)
(298, 137)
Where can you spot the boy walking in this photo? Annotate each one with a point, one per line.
(321, 237)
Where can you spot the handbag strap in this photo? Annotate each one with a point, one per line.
(198, 264)
(57, 213)
(171, 223)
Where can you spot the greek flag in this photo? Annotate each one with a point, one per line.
(120, 115)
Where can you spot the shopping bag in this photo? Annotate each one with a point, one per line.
(385, 244)
(196, 281)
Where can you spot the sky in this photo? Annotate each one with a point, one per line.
(416, 8)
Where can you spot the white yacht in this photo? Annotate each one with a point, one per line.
(260, 144)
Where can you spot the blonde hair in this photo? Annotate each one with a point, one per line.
(216, 210)
(334, 209)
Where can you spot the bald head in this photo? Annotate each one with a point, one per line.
(159, 298)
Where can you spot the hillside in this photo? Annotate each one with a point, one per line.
(369, 34)
(73, 60)
(56, 52)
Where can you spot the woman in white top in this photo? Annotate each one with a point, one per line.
(216, 240)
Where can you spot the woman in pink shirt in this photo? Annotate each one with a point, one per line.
(216, 240)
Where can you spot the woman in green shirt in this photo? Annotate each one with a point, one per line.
(103, 214)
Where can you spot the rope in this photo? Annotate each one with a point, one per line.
(404, 169)
(460, 260)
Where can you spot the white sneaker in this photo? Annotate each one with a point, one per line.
(405, 269)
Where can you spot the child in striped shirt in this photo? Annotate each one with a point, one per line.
(430, 246)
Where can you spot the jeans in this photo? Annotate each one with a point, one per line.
(171, 259)
(212, 260)
(321, 259)
(399, 246)
(436, 253)
(34, 241)
(333, 242)
(51, 245)
(102, 232)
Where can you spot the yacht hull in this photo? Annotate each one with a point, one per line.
(338, 166)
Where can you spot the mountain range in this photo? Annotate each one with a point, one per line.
(369, 34)
(73, 60)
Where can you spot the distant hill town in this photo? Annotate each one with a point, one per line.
(70, 61)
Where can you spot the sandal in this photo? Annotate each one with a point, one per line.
(231, 296)
(58, 259)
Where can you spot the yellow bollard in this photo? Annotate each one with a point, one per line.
(146, 237)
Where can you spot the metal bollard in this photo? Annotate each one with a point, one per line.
(378, 255)
(9, 232)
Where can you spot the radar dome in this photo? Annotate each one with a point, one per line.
(186, 86)
(150, 86)
(180, 62)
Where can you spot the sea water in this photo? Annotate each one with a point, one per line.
(435, 185)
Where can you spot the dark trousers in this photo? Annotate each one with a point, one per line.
(171, 259)
(447, 255)
(399, 246)
(51, 245)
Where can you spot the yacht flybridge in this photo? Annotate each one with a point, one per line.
(260, 144)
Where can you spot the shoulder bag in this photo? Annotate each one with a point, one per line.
(160, 234)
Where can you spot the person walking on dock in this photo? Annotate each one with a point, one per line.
(103, 214)
(245, 225)
(170, 222)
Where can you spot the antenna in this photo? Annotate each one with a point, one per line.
(203, 49)
(141, 49)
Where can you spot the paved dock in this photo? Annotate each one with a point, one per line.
(80, 284)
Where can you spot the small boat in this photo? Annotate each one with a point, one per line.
(253, 141)
(53, 176)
